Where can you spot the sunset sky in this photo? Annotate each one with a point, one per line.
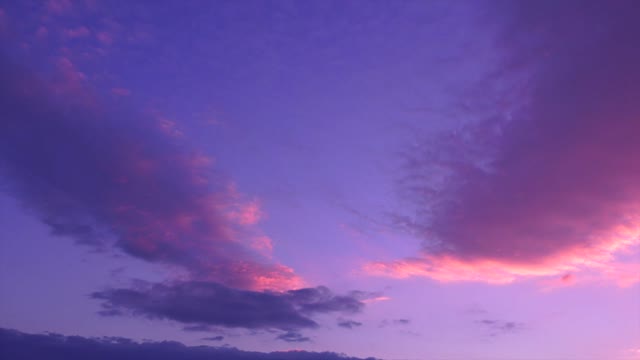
(432, 180)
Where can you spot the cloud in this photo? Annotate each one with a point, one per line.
(548, 182)
(58, 7)
(349, 324)
(17, 345)
(77, 32)
(109, 176)
(500, 327)
(397, 322)
(120, 91)
(291, 336)
(104, 37)
(204, 304)
(214, 338)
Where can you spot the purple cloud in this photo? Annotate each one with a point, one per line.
(214, 338)
(17, 345)
(349, 324)
(204, 304)
(549, 182)
(292, 336)
(109, 176)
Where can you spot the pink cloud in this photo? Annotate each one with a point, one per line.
(246, 213)
(121, 181)
(262, 244)
(548, 187)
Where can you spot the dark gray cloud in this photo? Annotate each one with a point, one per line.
(15, 345)
(292, 336)
(202, 304)
(349, 324)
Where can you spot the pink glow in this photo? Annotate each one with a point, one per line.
(599, 257)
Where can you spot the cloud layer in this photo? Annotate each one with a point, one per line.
(108, 175)
(547, 184)
(209, 304)
(17, 345)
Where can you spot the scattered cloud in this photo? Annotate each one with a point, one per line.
(292, 336)
(214, 338)
(17, 345)
(395, 322)
(349, 324)
(538, 187)
(500, 327)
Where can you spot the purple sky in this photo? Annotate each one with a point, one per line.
(391, 179)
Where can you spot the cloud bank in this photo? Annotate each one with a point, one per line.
(17, 345)
(548, 184)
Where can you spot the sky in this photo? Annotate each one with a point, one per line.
(432, 180)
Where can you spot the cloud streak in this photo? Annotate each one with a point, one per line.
(109, 176)
(548, 184)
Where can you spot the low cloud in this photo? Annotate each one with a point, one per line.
(292, 336)
(200, 305)
(214, 338)
(17, 345)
